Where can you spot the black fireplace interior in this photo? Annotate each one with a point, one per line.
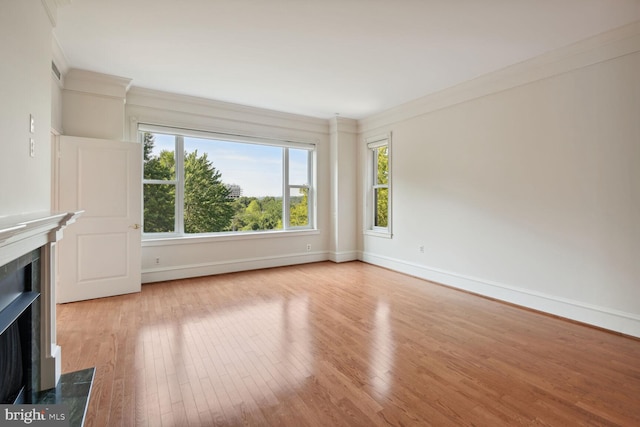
(11, 371)
(19, 329)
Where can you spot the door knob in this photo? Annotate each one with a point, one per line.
(135, 226)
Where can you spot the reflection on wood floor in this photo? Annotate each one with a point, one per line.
(341, 344)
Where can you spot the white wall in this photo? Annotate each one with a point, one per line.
(25, 49)
(343, 155)
(525, 185)
(93, 105)
(213, 255)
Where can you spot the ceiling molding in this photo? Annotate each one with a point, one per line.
(51, 7)
(603, 47)
(166, 101)
(96, 83)
(342, 124)
(58, 57)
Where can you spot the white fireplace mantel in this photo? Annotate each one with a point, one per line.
(19, 235)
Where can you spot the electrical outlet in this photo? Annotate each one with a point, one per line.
(308, 247)
(421, 249)
(157, 260)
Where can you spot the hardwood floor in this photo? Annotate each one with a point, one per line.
(341, 344)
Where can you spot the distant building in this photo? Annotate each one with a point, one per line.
(235, 191)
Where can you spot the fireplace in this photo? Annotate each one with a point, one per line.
(20, 328)
(30, 359)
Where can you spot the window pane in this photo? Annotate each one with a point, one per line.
(217, 172)
(298, 207)
(159, 208)
(298, 166)
(257, 214)
(159, 156)
(382, 165)
(381, 207)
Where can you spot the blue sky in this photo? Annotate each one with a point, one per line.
(257, 169)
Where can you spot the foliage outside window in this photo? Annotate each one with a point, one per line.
(379, 206)
(197, 183)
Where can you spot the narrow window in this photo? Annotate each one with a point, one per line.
(379, 197)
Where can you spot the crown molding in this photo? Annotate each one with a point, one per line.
(159, 100)
(96, 83)
(58, 57)
(603, 47)
(342, 124)
(51, 7)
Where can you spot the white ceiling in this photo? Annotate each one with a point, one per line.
(321, 57)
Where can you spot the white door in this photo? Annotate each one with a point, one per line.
(100, 255)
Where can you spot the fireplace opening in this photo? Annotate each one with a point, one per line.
(19, 329)
(11, 370)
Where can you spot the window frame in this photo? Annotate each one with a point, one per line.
(372, 145)
(179, 136)
(287, 186)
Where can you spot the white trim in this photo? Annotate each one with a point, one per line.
(171, 240)
(232, 137)
(614, 320)
(378, 232)
(603, 47)
(212, 268)
(234, 116)
(343, 256)
(58, 57)
(378, 140)
(178, 225)
(286, 219)
(51, 7)
(93, 83)
(342, 124)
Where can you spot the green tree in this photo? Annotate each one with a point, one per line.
(253, 216)
(272, 213)
(207, 207)
(299, 209)
(382, 194)
(159, 199)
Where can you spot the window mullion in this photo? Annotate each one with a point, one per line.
(179, 226)
(310, 197)
(285, 188)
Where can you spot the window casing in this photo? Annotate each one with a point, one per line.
(378, 199)
(190, 187)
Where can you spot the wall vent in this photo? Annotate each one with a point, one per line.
(55, 70)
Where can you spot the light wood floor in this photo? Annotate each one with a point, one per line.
(341, 344)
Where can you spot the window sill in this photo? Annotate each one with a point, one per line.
(148, 241)
(376, 233)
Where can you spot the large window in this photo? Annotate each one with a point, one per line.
(197, 182)
(379, 179)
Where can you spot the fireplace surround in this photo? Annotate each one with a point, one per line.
(19, 327)
(31, 358)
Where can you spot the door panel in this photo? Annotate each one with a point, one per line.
(100, 255)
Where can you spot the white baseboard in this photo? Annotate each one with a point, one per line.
(211, 268)
(614, 320)
(344, 256)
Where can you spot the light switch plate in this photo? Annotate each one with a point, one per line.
(32, 123)
(32, 147)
